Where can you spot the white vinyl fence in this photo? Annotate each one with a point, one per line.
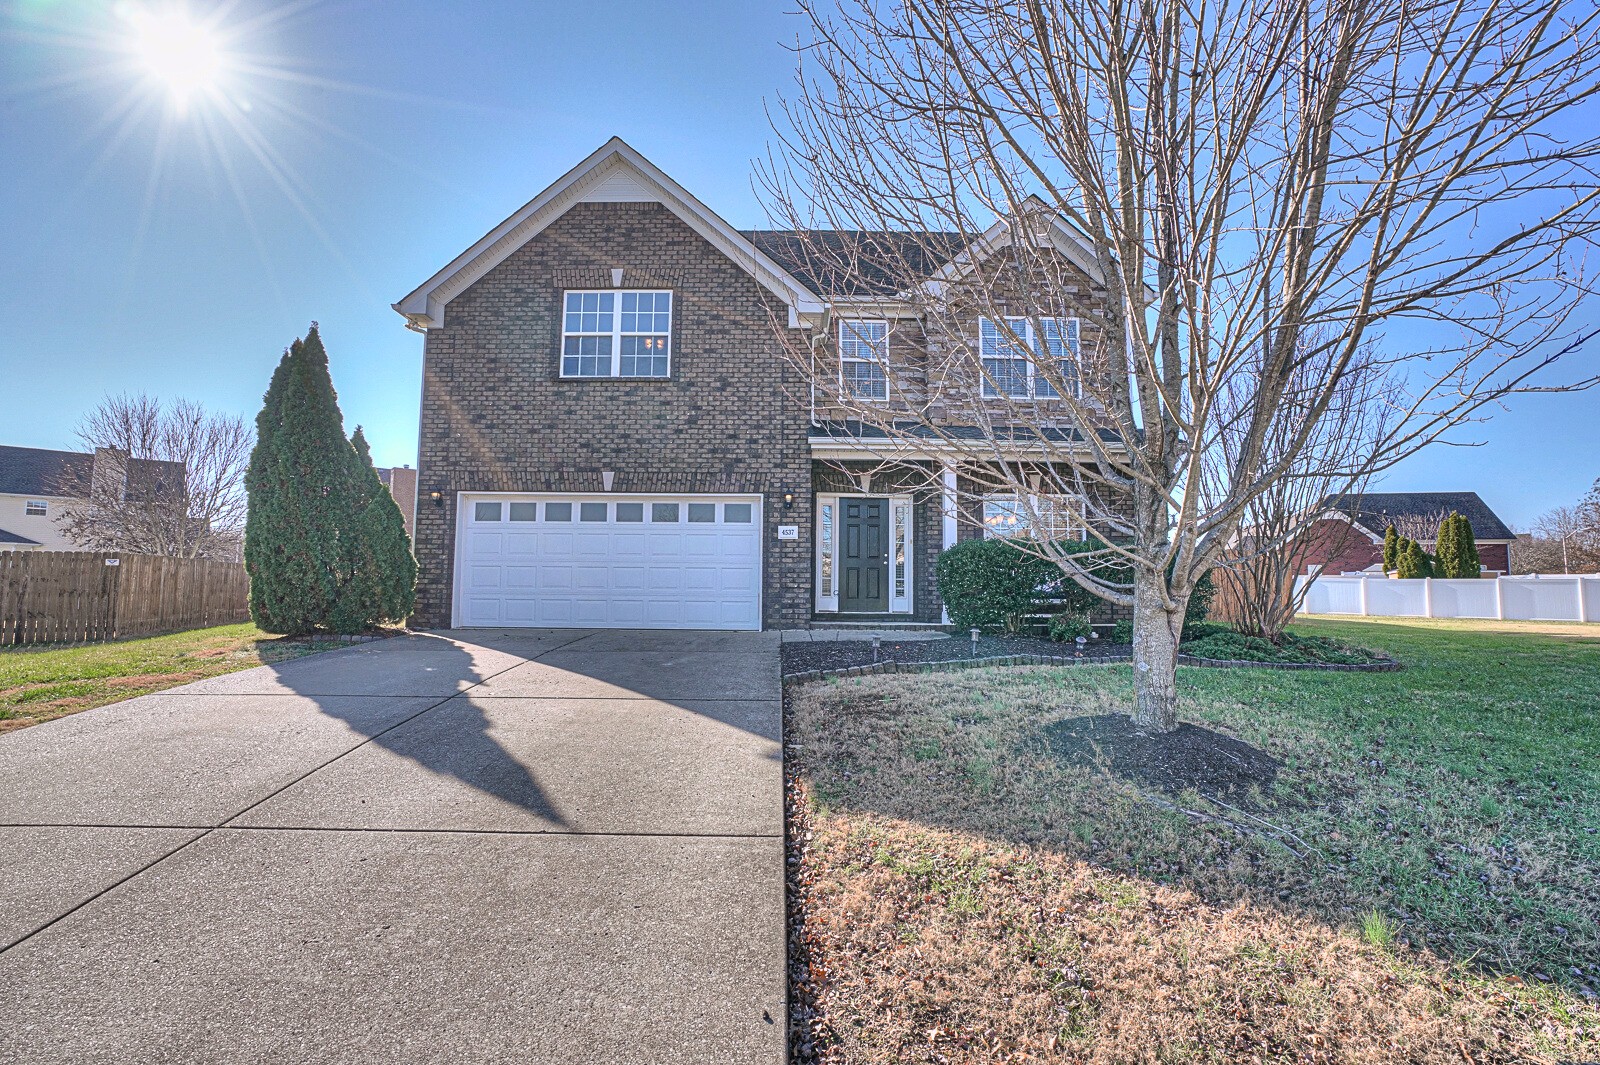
(1530, 598)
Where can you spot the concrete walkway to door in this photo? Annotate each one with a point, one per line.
(479, 846)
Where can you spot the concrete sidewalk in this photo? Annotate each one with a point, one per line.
(528, 845)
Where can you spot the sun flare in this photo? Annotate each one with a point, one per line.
(182, 55)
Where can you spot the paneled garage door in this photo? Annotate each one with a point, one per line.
(613, 561)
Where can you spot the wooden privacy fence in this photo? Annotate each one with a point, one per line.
(83, 596)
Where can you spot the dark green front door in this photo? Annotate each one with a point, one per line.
(864, 556)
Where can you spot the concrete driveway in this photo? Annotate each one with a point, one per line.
(523, 845)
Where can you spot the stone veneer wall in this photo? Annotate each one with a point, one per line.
(497, 416)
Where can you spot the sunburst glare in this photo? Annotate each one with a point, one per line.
(181, 54)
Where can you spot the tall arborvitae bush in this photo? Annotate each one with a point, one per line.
(1391, 549)
(1471, 564)
(1412, 562)
(311, 568)
(1444, 547)
(383, 574)
(1457, 549)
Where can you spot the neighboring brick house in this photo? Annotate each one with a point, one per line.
(613, 431)
(1348, 538)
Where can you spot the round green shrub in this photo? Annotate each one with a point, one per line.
(1068, 626)
(991, 583)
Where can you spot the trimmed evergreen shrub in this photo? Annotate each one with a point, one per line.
(1199, 608)
(1122, 632)
(1235, 647)
(1413, 562)
(991, 583)
(1068, 626)
(1200, 630)
(1391, 549)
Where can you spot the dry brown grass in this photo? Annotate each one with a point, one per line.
(941, 946)
(969, 896)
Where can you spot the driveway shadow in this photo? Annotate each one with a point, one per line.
(434, 666)
(566, 730)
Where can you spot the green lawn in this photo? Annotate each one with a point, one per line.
(1423, 874)
(37, 685)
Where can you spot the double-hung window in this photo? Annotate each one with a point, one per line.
(1014, 354)
(35, 508)
(613, 333)
(864, 358)
(1061, 517)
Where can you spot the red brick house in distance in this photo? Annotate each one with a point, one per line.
(1348, 538)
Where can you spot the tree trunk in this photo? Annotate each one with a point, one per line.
(1156, 630)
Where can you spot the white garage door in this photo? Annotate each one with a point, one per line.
(654, 562)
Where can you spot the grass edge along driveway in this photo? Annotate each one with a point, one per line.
(40, 684)
(1446, 908)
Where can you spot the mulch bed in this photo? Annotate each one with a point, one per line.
(843, 654)
(1190, 757)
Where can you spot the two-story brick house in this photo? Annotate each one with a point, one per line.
(616, 431)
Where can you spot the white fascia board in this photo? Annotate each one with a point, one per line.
(852, 448)
(874, 307)
(424, 307)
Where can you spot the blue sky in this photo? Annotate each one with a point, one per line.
(387, 137)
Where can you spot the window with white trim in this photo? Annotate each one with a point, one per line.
(864, 358)
(1014, 352)
(35, 508)
(616, 333)
(1061, 516)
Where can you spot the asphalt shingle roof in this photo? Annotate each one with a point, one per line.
(41, 472)
(8, 537)
(1378, 510)
(857, 262)
(36, 471)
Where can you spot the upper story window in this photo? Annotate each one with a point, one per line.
(1014, 353)
(35, 508)
(1061, 516)
(864, 358)
(612, 333)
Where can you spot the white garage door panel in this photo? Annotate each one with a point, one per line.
(563, 571)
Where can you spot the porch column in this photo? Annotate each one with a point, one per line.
(948, 505)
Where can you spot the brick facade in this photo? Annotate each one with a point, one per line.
(496, 415)
(1339, 548)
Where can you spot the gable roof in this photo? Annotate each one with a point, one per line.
(1376, 511)
(615, 172)
(8, 537)
(40, 472)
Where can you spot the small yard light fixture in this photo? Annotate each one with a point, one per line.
(876, 641)
(974, 641)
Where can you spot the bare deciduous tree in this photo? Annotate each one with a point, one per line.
(167, 479)
(1221, 194)
(1563, 540)
(1259, 588)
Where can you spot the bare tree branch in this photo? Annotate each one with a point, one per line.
(1243, 205)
